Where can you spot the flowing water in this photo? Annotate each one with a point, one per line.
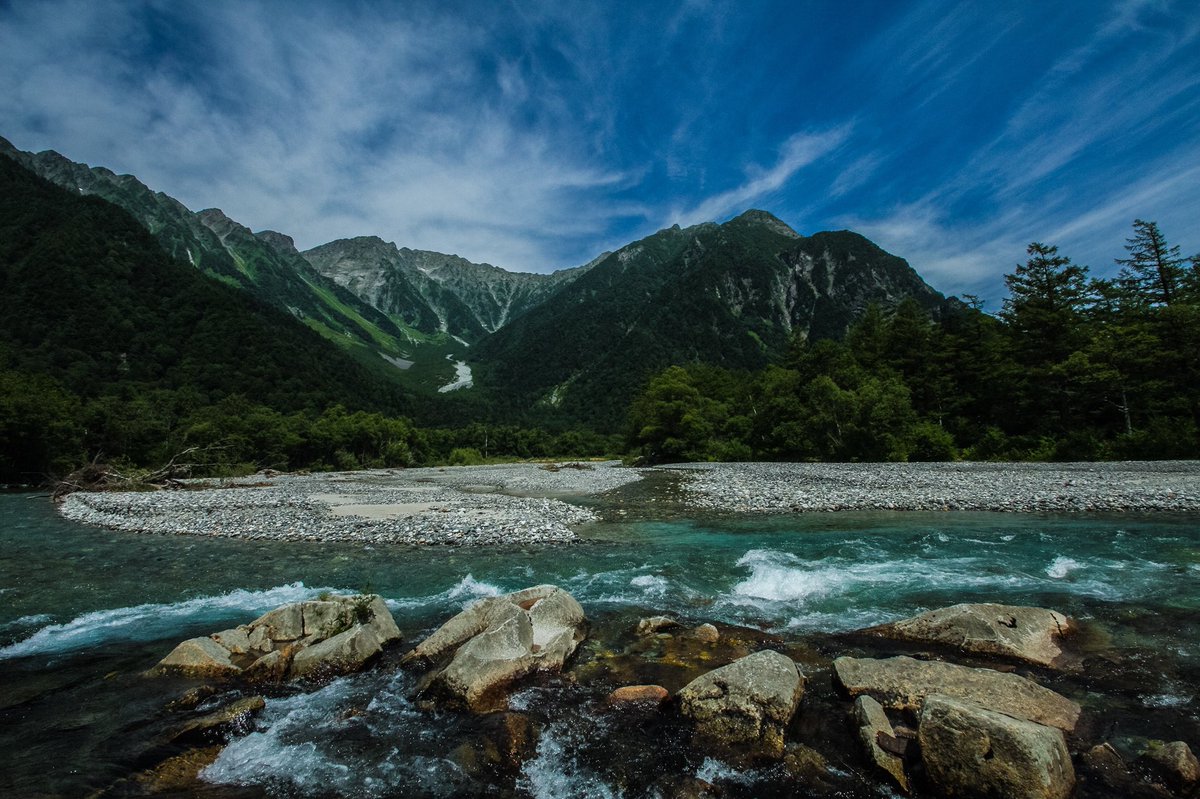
(83, 612)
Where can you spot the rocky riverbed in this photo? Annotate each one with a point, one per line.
(528, 503)
(1146, 486)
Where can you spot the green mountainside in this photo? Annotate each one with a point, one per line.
(228, 251)
(93, 312)
(734, 295)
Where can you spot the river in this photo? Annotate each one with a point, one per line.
(84, 611)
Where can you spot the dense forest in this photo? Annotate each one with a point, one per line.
(1073, 368)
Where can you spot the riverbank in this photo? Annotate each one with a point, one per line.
(524, 503)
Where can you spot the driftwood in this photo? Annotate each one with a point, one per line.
(97, 476)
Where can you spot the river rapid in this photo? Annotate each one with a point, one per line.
(84, 611)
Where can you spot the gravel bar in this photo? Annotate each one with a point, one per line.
(456, 506)
(1151, 486)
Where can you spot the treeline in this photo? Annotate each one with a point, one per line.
(1072, 368)
(48, 432)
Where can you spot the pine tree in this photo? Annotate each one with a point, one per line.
(1154, 268)
(1048, 294)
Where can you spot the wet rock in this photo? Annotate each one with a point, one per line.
(746, 704)
(326, 637)
(229, 720)
(499, 640)
(809, 768)
(178, 775)
(1104, 767)
(1023, 633)
(969, 750)
(875, 732)
(511, 739)
(707, 633)
(902, 683)
(656, 624)
(653, 695)
(1174, 763)
(192, 697)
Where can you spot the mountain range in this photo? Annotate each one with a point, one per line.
(576, 342)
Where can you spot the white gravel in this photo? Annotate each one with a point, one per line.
(453, 506)
(1014, 487)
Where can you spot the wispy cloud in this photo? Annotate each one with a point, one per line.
(800, 150)
(533, 136)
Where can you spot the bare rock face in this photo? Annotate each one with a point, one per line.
(301, 639)
(873, 730)
(746, 704)
(969, 750)
(1022, 633)
(499, 640)
(902, 683)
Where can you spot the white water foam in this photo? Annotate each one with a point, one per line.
(298, 747)
(465, 591)
(152, 621)
(555, 773)
(1061, 566)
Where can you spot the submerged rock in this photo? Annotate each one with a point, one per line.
(499, 640)
(230, 720)
(874, 730)
(316, 638)
(902, 683)
(746, 704)
(1174, 763)
(969, 750)
(1023, 633)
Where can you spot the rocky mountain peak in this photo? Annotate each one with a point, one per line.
(765, 219)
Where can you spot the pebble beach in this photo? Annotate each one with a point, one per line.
(529, 503)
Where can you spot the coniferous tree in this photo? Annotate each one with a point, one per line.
(1154, 268)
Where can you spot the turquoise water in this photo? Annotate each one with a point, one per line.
(83, 611)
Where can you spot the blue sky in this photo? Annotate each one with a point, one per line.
(536, 135)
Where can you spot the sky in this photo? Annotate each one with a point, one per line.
(534, 135)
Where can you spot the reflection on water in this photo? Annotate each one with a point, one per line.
(84, 611)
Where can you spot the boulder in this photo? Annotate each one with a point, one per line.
(1022, 633)
(343, 653)
(198, 657)
(902, 683)
(499, 640)
(707, 633)
(1174, 763)
(326, 637)
(874, 729)
(969, 750)
(746, 704)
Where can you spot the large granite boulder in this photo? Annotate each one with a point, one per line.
(746, 704)
(499, 640)
(1021, 633)
(969, 750)
(321, 637)
(902, 683)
